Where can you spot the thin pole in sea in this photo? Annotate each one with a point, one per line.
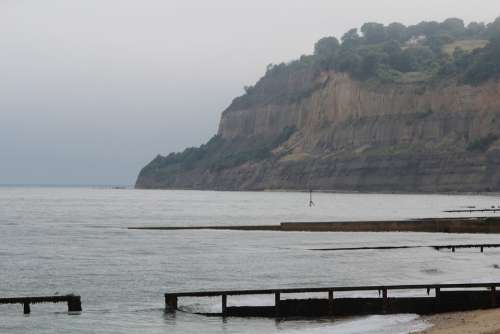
(311, 203)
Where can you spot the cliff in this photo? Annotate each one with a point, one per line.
(408, 109)
(351, 135)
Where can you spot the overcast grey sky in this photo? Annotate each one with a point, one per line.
(92, 90)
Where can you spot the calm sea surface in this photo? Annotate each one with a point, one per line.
(75, 240)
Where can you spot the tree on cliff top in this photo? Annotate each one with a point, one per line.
(397, 32)
(484, 63)
(453, 26)
(325, 50)
(351, 39)
(326, 47)
(373, 33)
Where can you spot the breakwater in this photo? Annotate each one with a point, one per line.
(440, 298)
(481, 247)
(74, 302)
(430, 225)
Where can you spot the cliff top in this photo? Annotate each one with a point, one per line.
(417, 54)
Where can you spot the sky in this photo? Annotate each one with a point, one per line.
(92, 90)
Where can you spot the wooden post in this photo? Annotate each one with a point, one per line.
(453, 249)
(482, 249)
(277, 303)
(170, 303)
(385, 300)
(493, 296)
(436, 300)
(224, 305)
(74, 304)
(330, 302)
(27, 309)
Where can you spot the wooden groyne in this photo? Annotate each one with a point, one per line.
(74, 302)
(430, 225)
(481, 247)
(494, 210)
(440, 298)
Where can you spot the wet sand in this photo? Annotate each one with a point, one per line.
(474, 322)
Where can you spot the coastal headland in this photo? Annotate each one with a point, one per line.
(409, 112)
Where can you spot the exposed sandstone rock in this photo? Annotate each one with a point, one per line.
(360, 136)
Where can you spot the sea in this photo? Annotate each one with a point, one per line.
(56, 241)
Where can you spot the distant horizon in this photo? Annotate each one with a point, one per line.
(68, 185)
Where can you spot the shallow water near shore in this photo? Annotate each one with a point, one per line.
(74, 240)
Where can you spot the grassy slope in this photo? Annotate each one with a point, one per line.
(468, 45)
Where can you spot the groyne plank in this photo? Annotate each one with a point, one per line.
(215, 293)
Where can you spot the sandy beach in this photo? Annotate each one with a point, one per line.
(474, 322)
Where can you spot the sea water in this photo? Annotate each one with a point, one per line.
(75, 240)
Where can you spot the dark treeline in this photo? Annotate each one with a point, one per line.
(387, 51)
(393, 53)
(397, 48)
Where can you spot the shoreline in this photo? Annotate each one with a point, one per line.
(469, 322)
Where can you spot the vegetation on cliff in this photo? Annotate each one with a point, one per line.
(396, 53)
(219, 153)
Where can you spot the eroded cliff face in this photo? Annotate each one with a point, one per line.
(351, 135)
